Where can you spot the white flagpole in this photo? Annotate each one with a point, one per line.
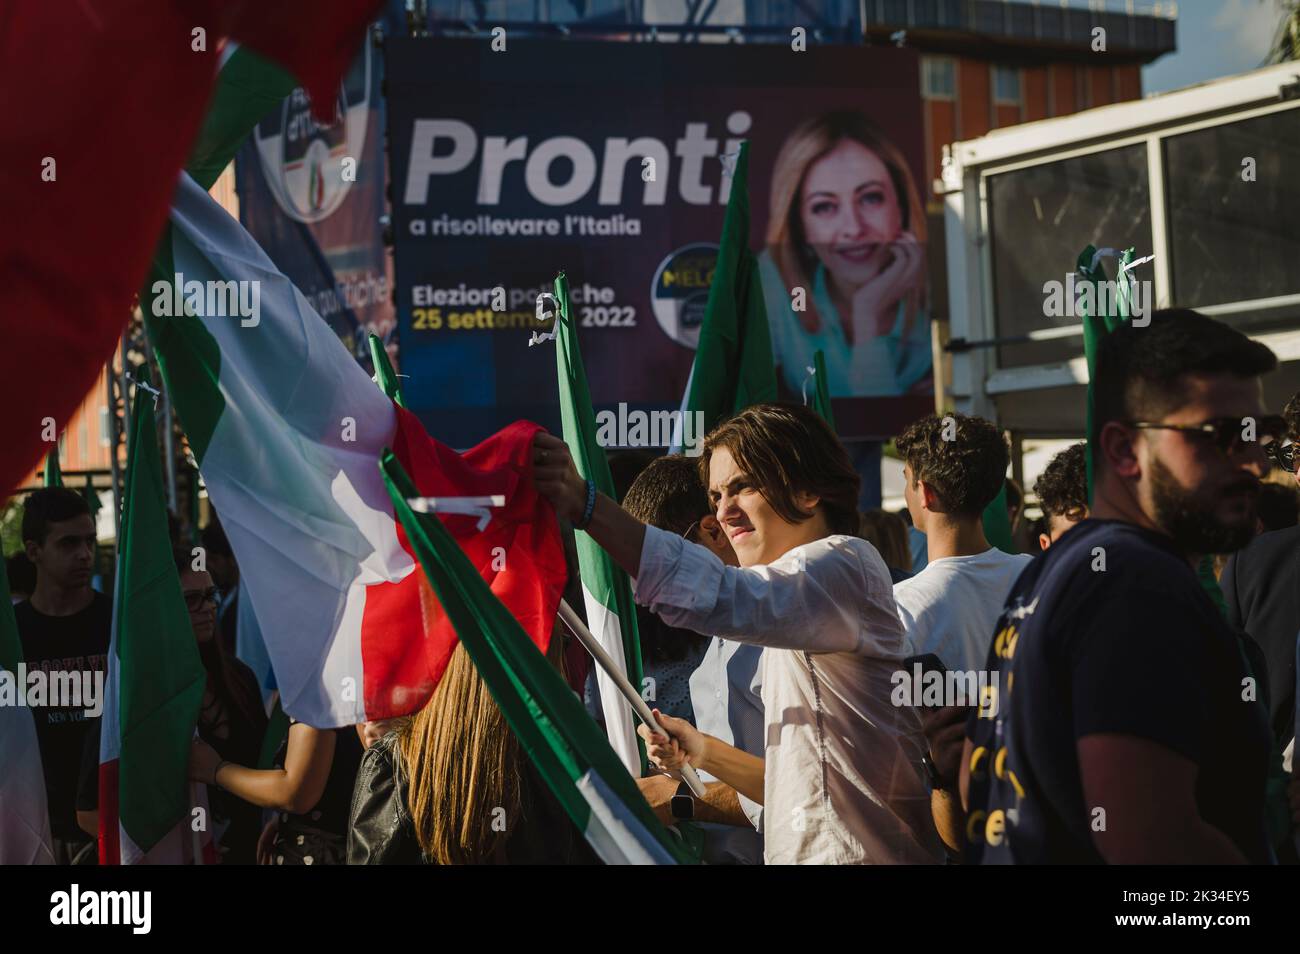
(593, 646)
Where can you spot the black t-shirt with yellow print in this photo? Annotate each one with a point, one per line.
(1109, 632)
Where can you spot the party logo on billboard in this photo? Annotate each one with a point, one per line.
(680, 290)
(309, 166)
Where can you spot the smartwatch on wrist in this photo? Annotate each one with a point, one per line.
(682, 804)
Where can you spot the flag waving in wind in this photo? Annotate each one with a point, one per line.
(733, 365)
(286, 428)
(112, 95)
(606, 591)
(155, 683)
(553, 728)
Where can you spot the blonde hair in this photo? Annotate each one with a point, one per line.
(810, 141)
(462, 763)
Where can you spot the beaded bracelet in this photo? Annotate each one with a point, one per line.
(591, 506)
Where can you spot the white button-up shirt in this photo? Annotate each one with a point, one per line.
(843, 781)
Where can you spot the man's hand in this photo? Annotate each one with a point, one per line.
(945, 732)
(659, 791)
(683, 745)
(557, 478)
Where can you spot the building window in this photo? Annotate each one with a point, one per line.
(1006, 85)
(1057, 203)
(105, 432)
(1231, 224)
(938, 77)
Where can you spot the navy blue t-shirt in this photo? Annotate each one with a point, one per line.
(1109, 631)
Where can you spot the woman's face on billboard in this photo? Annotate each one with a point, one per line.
(850, 213)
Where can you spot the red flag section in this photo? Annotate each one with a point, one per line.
(101, 103)
(518, 552)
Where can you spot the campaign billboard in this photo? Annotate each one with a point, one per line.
(606, 160)
(312, 195)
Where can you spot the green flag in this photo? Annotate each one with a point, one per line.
(821, 401)
(552, 726)
(385, 376)
(733, 362)
(155, 678)
(1098, 321)
(248, 87)
(606, 591)
(997, 522)
(53, 474)
(91, 497)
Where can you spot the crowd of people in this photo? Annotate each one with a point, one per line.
(1126, 693)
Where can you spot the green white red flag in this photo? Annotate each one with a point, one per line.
(286, 428)
(149, 811)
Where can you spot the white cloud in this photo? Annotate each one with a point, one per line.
(1250, 26)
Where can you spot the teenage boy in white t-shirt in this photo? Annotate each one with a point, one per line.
(954, 466)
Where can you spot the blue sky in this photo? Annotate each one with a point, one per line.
(1215, 38)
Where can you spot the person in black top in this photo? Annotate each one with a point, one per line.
(310, 787)
(452, 786)
(1121, 723)
(64, 628)
(1261, 585)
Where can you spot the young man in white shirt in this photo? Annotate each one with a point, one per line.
(842, 780)
(953, 468)
(724, 688)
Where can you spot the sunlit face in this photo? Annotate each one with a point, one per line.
(201, 601)
(850, 213)
(1200, 496)
(758, 534)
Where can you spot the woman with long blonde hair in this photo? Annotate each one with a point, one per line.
(452, 786)
(844, 267)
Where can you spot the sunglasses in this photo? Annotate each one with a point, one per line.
(1228, 434)
(195, 599)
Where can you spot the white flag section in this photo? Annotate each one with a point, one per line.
(620, 725)
(295, 427)
(613, 832)
(24, 819)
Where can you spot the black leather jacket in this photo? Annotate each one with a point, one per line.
(380, 831)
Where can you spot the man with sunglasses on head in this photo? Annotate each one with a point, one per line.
(1121, 724)
(1261, 585)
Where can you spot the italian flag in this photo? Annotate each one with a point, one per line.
(573, 758)
(286, 428)
(107, 98)
(149, 811)
(606, 592)
(24, 817)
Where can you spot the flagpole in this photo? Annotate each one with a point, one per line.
(593, 646)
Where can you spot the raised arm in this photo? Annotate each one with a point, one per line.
(817, 603)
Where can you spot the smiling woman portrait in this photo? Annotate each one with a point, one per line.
(846, 226)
